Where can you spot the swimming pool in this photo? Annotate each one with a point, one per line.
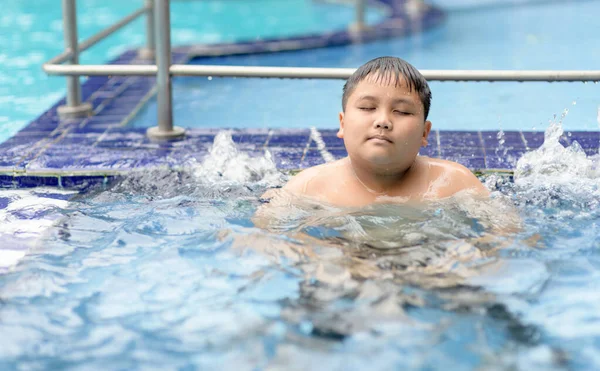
(166, 269)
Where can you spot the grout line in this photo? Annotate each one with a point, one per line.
(482, 143)
(316, 136)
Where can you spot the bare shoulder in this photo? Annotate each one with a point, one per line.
(449, 177)
(314, 178)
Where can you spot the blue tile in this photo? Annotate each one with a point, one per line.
(507, 161)
(586, 139)
(460, 139)
(257, 140)
(330, 141)
(118, 108)
(22, 139)
(289, 141)
(462, 152)
(75, 141)
(534, 138)
(512, 139)
(120, 140)
(338, 153)
(328, 132)
(473, 163)
(143, 84)
(591, 151)
(564, 140)
(430, 150)
(29, 181)
(82, 182)
(6, 181)
(287, 158)
(312, 158)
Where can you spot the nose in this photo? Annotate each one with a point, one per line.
(383, 122)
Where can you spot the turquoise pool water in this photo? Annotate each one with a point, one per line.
(547, 35)
(31, 33)
(168, 270)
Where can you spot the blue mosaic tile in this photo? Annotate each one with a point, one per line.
(290, 141)
(507, 161)
(75, 141)
(119, 108)
(144, 84)
(461, 139)
(83, 182)
(591, 151)
(120, 140)
(256, 140)
(30, 181)
(331, 141)
(312, 158)
(585, 139)
(6, 181)
(286, 158)
(534, 139)
(430, 150)
(564, 140)
(512, 139)
(473, 163)
(43, 124)
(338, 153)
(462, 152)
(15, 155)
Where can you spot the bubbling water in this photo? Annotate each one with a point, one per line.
(554, 175)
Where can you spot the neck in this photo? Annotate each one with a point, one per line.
(378, 182)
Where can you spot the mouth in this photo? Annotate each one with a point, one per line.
(380, 138)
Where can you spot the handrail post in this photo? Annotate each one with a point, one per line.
(165, 128)
(74, 107)
(148, 52)
(361, 9)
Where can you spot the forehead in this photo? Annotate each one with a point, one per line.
(384, 84)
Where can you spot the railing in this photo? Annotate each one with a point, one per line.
(159, 45)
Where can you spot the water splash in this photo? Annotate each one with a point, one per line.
(226, 172)
(226, 163)
(554, 174)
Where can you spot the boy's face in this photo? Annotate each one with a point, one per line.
(383, 124)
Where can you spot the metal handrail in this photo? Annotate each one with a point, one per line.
(319, 73)
(96, 38)
(159, 41)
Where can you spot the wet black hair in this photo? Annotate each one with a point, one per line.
(388, 68)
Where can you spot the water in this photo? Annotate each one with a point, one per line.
(548, 36)
(168, 269)
(31, 33)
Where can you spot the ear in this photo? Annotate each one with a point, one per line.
(426, 131)
(340, 133)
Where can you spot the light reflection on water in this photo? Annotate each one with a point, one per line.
(167, 268)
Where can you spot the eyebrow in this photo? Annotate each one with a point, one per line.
(395, 101)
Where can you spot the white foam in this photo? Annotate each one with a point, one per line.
(225, 163)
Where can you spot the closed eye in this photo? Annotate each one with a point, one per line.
(404, 113)
(366, 108)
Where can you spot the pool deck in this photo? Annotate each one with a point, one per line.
(76, 153)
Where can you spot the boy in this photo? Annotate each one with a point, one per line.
(383, 124)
